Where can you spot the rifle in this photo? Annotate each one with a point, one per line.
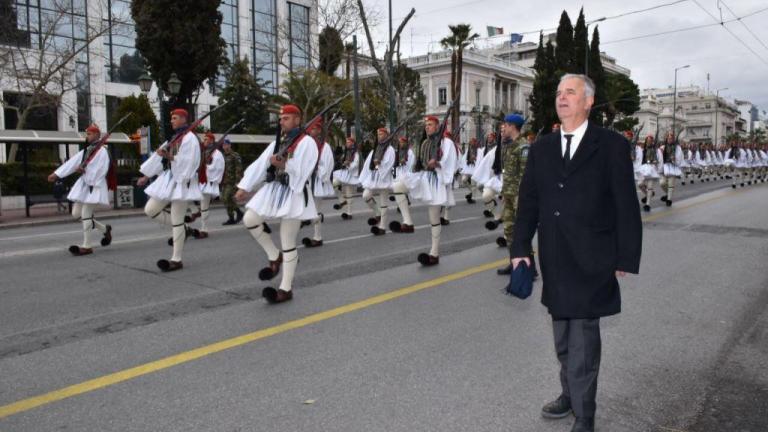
(437, 138)
(217, 145)
(282, 154)
(91, 149)
(169, 144)
(497, 165)
(633, 143)
(387, 140)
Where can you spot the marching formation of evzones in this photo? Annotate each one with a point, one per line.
(296, 171)
(663, 164)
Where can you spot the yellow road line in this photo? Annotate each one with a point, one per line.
(187, 356)
(184, 357)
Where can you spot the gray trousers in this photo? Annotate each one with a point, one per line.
(577, 344)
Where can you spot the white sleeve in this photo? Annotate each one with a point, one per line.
(257, 170)
(152, 166)
(187, 161)
(215, 170)
(355, 162)
(448, 160)
(411, 161)
(388, 161)
(678, 155)
(325, 167)
(70, 166)
(97, 168)
(302, 162)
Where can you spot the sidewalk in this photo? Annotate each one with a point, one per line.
(46, 214)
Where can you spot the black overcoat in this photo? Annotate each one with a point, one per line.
(588, 221)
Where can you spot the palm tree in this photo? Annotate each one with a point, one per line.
(459, 39)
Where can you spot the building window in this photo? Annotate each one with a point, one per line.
(124, 63)
(228, 9)
(58, 27)
(264, 27)
(477, 96)
(298, 35)
(442, 96)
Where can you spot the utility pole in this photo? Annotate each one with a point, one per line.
(674, 100)
(717, 109)
(356, 90)
(392, 114)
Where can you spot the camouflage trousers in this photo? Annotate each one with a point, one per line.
(228, 198)
(508, 215)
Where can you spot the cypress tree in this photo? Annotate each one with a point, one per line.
(597, 73)
(580, 44)
(564, 52)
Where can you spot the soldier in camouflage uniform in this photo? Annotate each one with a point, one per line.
(514, 154)
(233, 172)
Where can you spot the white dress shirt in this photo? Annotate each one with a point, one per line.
(578, 134)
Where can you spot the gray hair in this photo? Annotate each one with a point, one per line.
(589, 85)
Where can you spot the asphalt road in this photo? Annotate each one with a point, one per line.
(418, 349)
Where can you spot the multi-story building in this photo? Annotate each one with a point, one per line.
(489, 85)
(701, 116)
(524, 54)
(277, 36)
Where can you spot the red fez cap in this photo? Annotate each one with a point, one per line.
(93, 128)
(472, 140)
(351, 139)
(556, 126)
(383, 130)
(210, 136)
(403, 139)
(491, 134)
(448, 134)
(431, 119)
(629, 133)
(180, 112)
(290, 109)
(316, 124)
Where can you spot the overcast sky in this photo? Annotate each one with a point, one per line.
(652, 60)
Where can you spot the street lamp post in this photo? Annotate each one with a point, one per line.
(586, 48)
(717, 109)
(674, 100)
(174, 86)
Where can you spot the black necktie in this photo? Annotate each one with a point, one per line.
(567, 155)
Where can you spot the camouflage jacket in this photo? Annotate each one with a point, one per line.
(514, 157)
(233, 168)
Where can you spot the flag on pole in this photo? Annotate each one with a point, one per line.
(515, 38)
(495, 31)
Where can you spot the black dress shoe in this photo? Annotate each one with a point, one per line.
(230, 221)
(444, 221)
(557, 409)
(506, 271)
(584, 424)
(646, 208)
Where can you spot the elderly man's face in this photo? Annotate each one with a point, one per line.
(572, 101)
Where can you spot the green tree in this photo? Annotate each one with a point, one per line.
(580, 44)
(246, 98)
(542, 97)
(182, 37)
(564, 40)
(457, 41)
(597, 73)
(626, 123)
(331, 49)
(623, 98)
(141, 115)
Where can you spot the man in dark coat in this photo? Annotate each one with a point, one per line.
(578, 191)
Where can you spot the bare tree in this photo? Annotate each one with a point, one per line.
(41, 68)
(344, 16)
(392, 48)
